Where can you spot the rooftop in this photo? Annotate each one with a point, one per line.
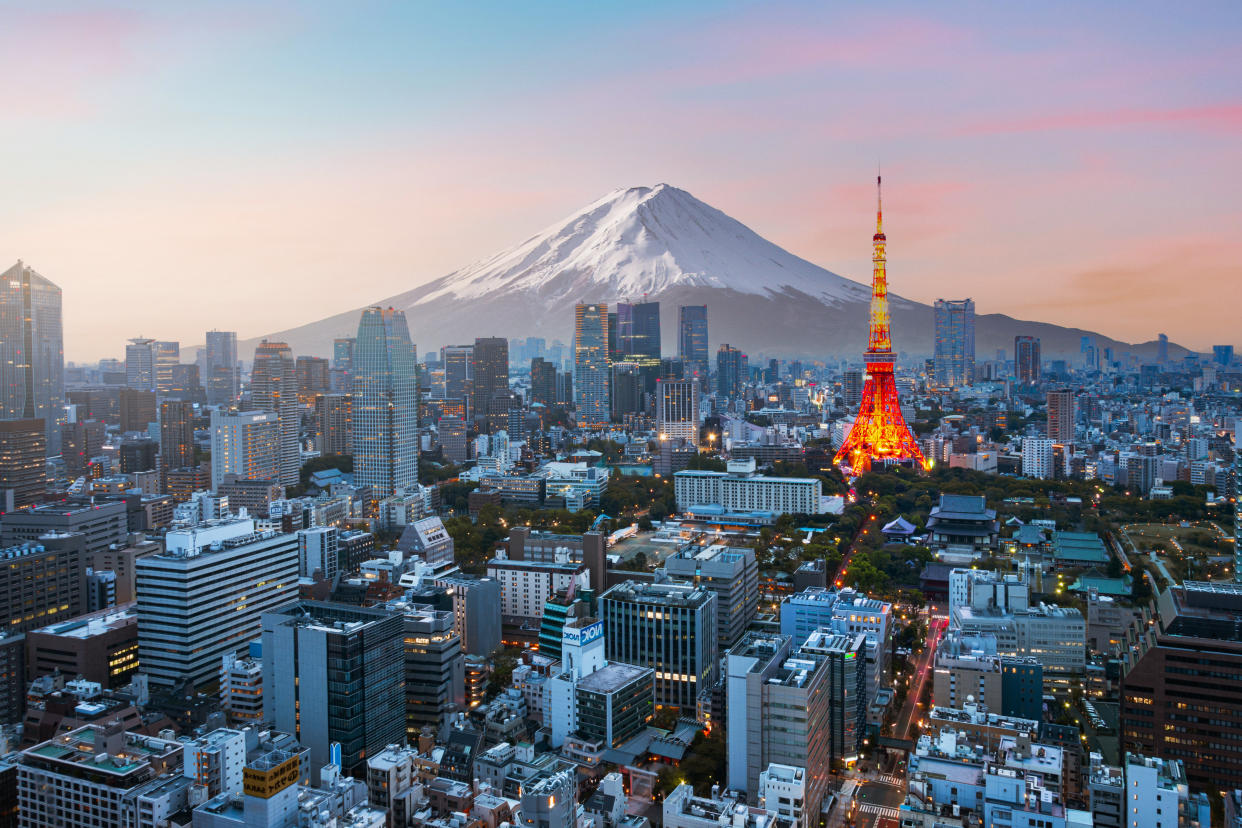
(96, 623)
(612, 677)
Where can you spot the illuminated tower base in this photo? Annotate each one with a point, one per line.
(880, 432)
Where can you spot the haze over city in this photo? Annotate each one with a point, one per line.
(261, 166)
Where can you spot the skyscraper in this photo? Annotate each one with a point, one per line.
(851, 389)
(1026, 364)
(677, 410)
(342, 364)
(458, 372)
(167, 357)
(542, 381)
(334, 416)
(274, 387)
(385, 416)
(638, 329)
(140, 364)
(692, 339)
(32, 355)
(314, 377)
(1162, 349)
(954, 359)
(591, 365)
(176, 437)
(732, 371)
(138, 409)
(1062, 409)
(220, 368)
(490, 367)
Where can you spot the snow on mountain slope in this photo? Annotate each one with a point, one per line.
(640, 241)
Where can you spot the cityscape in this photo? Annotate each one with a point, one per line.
(645, 521)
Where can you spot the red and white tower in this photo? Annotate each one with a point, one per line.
(880, 432)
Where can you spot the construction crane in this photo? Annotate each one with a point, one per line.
(598, 521)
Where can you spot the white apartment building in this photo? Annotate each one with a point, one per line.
(525, 586)
(748, 492)
(1037, 457)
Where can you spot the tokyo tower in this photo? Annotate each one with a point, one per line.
(880, 432)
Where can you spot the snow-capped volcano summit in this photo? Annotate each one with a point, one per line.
(641, 241)
(663, 244)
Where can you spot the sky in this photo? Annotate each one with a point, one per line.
(179, 167)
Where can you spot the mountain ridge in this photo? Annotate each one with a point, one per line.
(663, 244)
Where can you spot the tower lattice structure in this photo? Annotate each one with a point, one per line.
(880, 432)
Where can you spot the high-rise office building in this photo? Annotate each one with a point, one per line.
(490, 370)
(140, 365)
(23, 463)
(138, 454)
(32, 354)
(542, 381)
(274, 387)
(203, 597)
(138, 409)
(770, 690)
(954, 360)
(1062, 410)
(341, 370)
(453, 443)
(591, 365)
(187, 383)
(334, 414)
(458, 372)
(851, 389)
(219, 371)
(167, 356)
(669, 627)
(677, 410)
(845, 656)
(625, 390)
(638, 329)
(692, 339)
(1026, 364)
(1222, 355)
(314, 377)
(176, 436)
(435, 668)
(1162, 349)
(732, 371)
(334, 673)
(385, 415)
(244, 443)
(81, 441)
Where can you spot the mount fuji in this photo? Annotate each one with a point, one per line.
(662, 244)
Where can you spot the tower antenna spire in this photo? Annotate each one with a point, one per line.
(879, 203)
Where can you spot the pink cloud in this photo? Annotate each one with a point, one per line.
(1217, 117)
